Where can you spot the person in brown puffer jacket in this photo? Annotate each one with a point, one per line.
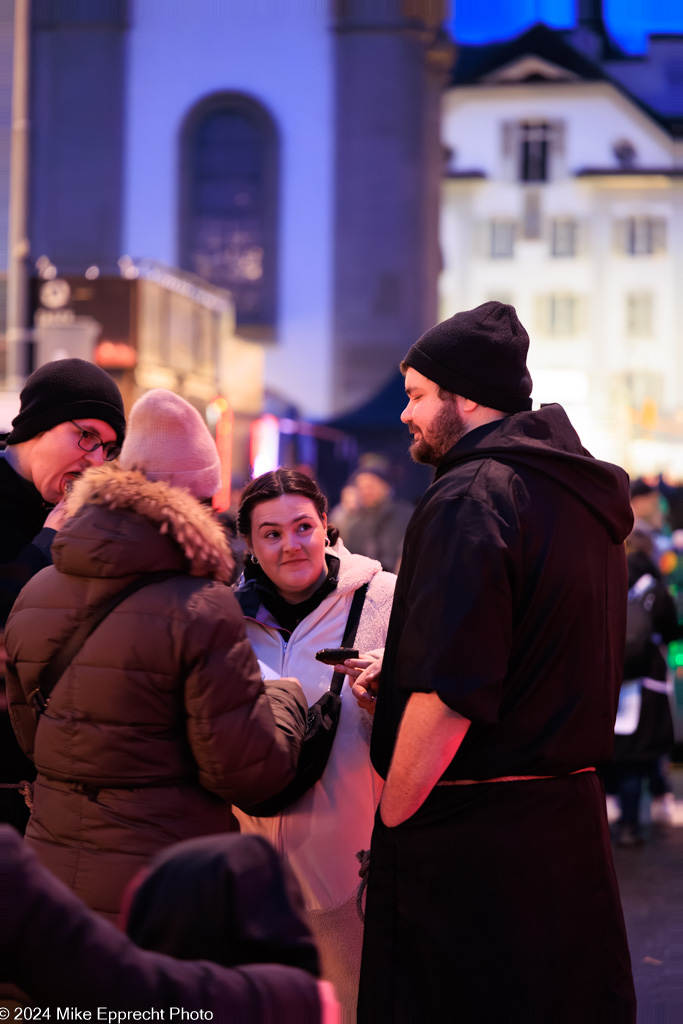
(162, 719)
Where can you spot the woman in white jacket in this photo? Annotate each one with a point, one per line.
(296, 595)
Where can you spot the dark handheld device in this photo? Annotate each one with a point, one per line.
(335, 655)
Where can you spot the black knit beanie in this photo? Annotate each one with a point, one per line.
(479, 354)
(63, 390)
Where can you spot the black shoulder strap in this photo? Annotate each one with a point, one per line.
(55, 668)
(350, 632)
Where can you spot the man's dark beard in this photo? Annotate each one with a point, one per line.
(447, 428)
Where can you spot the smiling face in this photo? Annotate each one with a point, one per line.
(288, 539)
(435, 423)
(54, 457)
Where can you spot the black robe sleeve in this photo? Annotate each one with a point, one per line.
(457, 632)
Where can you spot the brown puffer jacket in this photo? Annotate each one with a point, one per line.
(162, 720)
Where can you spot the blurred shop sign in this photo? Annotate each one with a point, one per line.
(58, 335)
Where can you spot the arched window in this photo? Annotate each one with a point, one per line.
(228, 215)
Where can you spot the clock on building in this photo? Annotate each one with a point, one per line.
(55, 294)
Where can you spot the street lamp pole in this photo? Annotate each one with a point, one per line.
(17, 332)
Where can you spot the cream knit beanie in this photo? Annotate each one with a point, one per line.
(167, 439)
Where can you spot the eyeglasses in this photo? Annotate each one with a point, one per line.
(89, 441)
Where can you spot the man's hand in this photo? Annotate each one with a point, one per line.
(56, 517)
(364, 675)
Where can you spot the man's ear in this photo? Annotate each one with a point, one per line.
(468, 405)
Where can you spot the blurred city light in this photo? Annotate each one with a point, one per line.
(265, 444)
(220, 417)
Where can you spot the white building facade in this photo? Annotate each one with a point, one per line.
(564, 197)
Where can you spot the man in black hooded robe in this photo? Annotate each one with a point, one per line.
(492, 895)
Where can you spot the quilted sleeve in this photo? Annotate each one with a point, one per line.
(245, 734)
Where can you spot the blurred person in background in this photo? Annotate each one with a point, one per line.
(70, 417)
(343, 514)
(297, 593)
(161, 720)
(220, 926)
(378, 525)
(649, 514)
(644, 726)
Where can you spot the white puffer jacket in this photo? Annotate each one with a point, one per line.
(321, 833)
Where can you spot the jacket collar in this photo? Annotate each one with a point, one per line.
(467, 443)
(172, 511)
(258, 590)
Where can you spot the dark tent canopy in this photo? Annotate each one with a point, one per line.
(377, 427)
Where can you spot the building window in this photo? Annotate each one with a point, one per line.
(644, 236)
(563, 314)
(639, 315)
(625, 153)
(563, 238)
(558, 314)
(228, 216)
(502, 239)
(534, 151)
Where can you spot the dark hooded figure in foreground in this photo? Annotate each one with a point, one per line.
(492, 889)
(256, 962)
(225, 898)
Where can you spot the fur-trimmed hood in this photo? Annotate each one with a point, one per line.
(354, 569)
(121, 522)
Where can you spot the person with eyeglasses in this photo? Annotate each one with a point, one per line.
(90, 441)
(160, 721)
(71, 416)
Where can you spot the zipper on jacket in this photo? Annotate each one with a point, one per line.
(280, 630)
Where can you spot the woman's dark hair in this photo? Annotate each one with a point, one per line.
(273, 485)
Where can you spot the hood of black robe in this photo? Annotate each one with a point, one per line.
(544, 440)
(224, 898)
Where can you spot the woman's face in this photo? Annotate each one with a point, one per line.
(288, 539)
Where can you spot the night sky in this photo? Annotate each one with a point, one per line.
(628, 21)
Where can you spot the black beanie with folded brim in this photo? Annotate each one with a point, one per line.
(479, 354)
(63, 390)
